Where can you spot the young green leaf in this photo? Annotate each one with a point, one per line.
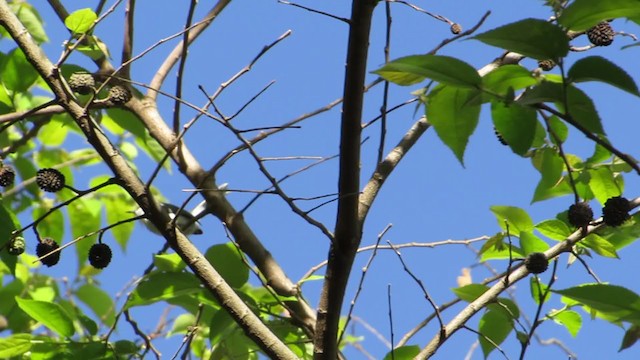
(597, 68)
(570, 319)
(538, 289)
(164, 287)
(15, 345)
(582, 14)
(49, 314)
(531, 243)
(516, 124)
(504, 77)
(98, 301)
(534, 38)
(603, 184)
(403, 353)
(518, 219)
(554, 229)
(80, 21)
(470, 292)
(444, 69)
(17, 73)
(600, 245)
(454, 114)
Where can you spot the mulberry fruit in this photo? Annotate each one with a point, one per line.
(499, 136)
(50, 180)
(99, 255)
(455, 29)
(7, 175)
(536, 263)
(601, 35)
(547, 64)
(580, 214)
(616, 211)
(82, 83)
(119, 95)
(46, 246)
(16, 245)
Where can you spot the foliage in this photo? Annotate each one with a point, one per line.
(536, 114)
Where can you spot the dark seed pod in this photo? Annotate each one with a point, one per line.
(50, 180)
(119, 95)
(16, 245)
(7, 176)
(616, 211)
(455, 28)
(82, 83)
(46, 246)
(536, 263)
(100, 255)
(547, 64)
(580, 214)
(499, 136)
(601, 35)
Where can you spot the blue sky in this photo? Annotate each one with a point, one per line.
(430, 197)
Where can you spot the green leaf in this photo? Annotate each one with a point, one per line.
(615, 302)
(554, 229)
(53, 133)
(49, 314)
(8, 223)
(454, 115)
(169, 262)
(80, 21)
(603, 184)
(84, 216)
(505, 306)
(518, 219)
(471, 292)
(115, 206)
(530, 243)
(444, 69)
(538, 289)
(597, 68)
(163, 286)
(534, 38)
(53, 225)
(506, 77)
(582, 110)
(220, 325)
(403, 353)
(31, 20)
(559, 129)
(570, 319)
(17, 73)
(125, 347)
(226, 259)
(516, 124)
(630, 337)
(98, 301)
(583, 14)
(493, 326)
(15, 345)
(600, 245)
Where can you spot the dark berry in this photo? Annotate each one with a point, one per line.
(536, 263)
(499, 136)
(46, 246)
(50, 180)
(7, 175)
(601, 35)
(99, 255)
(82, 83)
(580, 214)
(616, 211)
(547, 64)
(119, 95)
(455, 29)
(16, 245)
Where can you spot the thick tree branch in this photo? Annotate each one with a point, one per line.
(348, 231)
(127, 178)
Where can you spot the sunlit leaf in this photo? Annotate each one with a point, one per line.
(530, 243)
(615, 302)
(470, 292)
(84, 216)
(600, 245)
(534, 38)
(538, 290)
(570, 319)
(98, 301)
(506, 77)
(49, 314)
(603, 184)
(554, 229)
(403, 353)
(80, 21)
(518, 219)
(444, 69)
(17, 73)
(15, 345)
(30, 18)
(163, 286)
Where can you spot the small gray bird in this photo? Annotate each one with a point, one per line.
(186, 221)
